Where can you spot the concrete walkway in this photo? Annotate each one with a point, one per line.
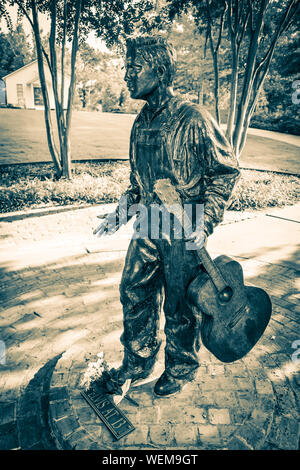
(60, 306)
(280, 136)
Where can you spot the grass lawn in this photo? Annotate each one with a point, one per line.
(106, 136)
(93, 136)
(34, 185)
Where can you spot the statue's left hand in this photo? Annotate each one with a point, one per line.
(199, 239)
(108, 226)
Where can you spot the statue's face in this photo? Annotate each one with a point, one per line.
(140, 78)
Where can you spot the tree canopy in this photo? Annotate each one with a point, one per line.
(250, 32)
(15, 50)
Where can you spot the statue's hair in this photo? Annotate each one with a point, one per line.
(157, 51)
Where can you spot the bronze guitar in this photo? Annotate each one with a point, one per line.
(234, 316)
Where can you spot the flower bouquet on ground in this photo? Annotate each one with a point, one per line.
(102, 379)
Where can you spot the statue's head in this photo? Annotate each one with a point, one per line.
(150, 62)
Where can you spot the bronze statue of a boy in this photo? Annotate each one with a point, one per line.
(175, 139)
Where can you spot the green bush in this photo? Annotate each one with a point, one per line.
(286, 124)
(259, 190)
(25, 186)
(34, 185)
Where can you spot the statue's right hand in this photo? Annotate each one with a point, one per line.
(108, 226)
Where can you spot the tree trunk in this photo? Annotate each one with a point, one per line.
(233, 97)
(216, 87)
(53, 58)
(67, 146)
(66, 157)
(214, 53)
(260, 72)
(235, 48)
(63, 45)
(248, 80)
(47, 114)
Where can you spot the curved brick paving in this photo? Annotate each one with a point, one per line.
(224, 408)
(59, 309)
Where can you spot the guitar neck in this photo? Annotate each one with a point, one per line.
(209, 265)
(211, 269)
(172, 201)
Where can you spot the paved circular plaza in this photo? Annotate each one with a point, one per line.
(60, 307)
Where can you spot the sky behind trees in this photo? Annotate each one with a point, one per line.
(92, 40)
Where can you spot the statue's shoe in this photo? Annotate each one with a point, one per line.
(168, 385)
(136, 375)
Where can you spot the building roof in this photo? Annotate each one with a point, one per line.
(27, 65)
(18, 70)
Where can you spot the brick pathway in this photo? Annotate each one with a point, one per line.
(60, 306)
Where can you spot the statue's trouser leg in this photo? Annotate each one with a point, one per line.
(141, 296)
(148, 267)
(182, 327)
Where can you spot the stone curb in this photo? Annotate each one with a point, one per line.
(39, 212)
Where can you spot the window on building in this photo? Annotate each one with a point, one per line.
(19, 91)
(20, 94)
(38, 97)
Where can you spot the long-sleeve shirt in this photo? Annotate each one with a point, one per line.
(182, 142)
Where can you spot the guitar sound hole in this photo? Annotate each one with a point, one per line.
(226, 295)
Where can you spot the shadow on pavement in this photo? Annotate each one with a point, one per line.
(48, 308)
(32, 413)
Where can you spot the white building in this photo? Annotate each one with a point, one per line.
(23, 88)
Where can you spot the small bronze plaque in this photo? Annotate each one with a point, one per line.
(109, 413)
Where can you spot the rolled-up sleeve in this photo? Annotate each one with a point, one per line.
(221, 171)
